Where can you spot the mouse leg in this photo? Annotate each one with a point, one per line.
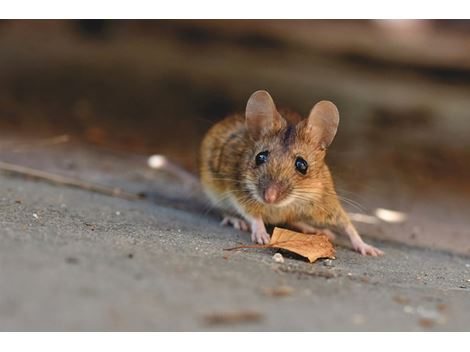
(237, 223)
(258, 231)
(306, 228)
(359, 245)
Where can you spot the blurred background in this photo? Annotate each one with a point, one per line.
(142, 87)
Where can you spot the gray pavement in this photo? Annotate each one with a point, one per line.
(75, 260)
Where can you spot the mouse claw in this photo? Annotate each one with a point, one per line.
(237, 223)
(260, 237)
(366, 249)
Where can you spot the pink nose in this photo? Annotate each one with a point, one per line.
(271, 194)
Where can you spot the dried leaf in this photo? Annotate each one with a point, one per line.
(311, 247)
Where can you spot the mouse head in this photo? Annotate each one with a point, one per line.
(286, 163)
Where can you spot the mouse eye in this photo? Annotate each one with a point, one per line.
(261, 158)
(301, 165)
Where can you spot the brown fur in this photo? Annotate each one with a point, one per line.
(235, 183)
(228, 168)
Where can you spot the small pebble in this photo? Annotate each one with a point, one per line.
(408, 309)
(328, 262)
(118, 213)
(278, 258)
(35, 216)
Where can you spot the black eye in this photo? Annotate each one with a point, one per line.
(301, 165)
(261, 158)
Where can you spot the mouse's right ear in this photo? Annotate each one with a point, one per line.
(261, 115)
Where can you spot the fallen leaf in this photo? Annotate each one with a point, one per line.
(311, 247)
(244, 316)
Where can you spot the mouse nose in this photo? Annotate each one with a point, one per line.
(271, 194)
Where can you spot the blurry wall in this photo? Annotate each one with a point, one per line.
(402, 87)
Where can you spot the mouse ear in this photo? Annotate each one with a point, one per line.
(261, 115)
(322, 123)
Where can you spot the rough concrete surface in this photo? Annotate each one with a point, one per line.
(72, 259)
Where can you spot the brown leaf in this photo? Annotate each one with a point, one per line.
(311, 247)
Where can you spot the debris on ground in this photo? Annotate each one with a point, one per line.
(280, 291)
(278, 258)
(312, 247)
(235, 317)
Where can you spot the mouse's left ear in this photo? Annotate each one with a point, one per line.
(322, 123)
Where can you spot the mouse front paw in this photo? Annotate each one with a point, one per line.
(260, 237)
(237, 223)
(367, 249)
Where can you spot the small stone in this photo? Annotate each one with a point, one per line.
(328, 262)
(278, 258)
(35, 216)
(118, 213)
(408, 309)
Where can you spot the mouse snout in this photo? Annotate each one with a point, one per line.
(273, 193)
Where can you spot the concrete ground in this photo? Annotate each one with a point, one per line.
(71, 259)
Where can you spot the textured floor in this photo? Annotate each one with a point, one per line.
(75, 260)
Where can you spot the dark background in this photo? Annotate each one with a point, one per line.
(402, 87)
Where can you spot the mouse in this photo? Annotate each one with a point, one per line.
(267, 167)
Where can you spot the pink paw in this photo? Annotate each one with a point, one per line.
(260, 237)
(366, 249)
(237, 223)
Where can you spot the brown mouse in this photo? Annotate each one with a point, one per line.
(268, 168)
